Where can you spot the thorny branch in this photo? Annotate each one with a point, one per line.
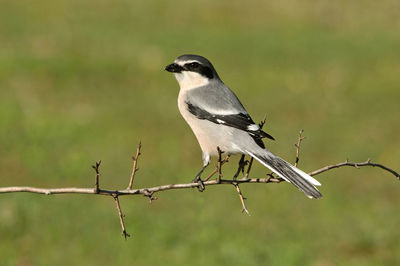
(244, 208)
(96, 182)
(216, 168)
(297, 145)
(150, 191)
(121, 217)
(356, 165)
(134, 168)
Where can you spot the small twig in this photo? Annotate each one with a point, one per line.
(96, 183)
(134, 169)
(219, 177)
(244, 209)
(356, 165)
(272, 179)
(300, 138)
(121, 217)
(262, 122)
(149, 194)
(216, 168)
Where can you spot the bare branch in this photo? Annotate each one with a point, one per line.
(216, 168)
(134, 168)
(121, 217)
(356, 165)
(145, 191)
(96, 169)
(141, 191)
(244, 209)
(150, 191)
(300, 138)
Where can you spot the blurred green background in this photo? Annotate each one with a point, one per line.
(83, 80)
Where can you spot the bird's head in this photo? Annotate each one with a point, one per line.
(192, 71)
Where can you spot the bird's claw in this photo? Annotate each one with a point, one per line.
(201, 187)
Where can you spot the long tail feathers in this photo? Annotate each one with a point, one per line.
(288, 172)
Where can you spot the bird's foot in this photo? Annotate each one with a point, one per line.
(242, 163)
(201, 187)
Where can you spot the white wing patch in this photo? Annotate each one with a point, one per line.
(253, 127)
(220, 121)
(218, 111)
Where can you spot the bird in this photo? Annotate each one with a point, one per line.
(219, 120)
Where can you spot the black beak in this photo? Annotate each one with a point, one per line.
(174, 68)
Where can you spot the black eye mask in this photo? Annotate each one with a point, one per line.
(198, 68)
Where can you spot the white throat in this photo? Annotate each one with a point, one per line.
(189, 80)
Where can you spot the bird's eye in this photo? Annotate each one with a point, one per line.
(193, 65)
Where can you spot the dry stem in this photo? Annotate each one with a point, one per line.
(145, 191)
(150, 191)
(96, 182)
(356, 165)
(134, 168)
(217, 167)
(300, 138)
(244, 209)
(121, 217)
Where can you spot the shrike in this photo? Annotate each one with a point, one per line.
(218, 119)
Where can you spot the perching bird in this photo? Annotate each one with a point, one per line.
(218, 119)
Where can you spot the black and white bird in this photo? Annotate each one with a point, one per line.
(218, 119)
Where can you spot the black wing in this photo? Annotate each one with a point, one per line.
(240, 121)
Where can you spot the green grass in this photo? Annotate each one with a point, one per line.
(83, 80)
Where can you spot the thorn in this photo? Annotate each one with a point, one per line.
(125, 234)
(153, 198)
(246, 211)
(262, 123)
